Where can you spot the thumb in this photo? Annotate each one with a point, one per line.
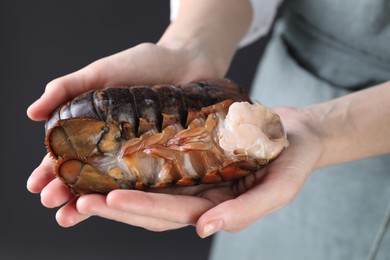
(274, 191)
(142, 64)
(63, 89)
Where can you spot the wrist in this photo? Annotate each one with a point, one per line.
(207, 32)
(197, 56)
(354, 126)
(323, 122)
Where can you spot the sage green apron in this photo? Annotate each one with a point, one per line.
(322, 49)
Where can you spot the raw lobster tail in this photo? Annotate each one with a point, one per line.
(156, 136)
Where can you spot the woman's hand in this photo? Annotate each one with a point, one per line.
(228, 206)
(143, 64)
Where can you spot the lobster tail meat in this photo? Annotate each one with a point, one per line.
(150, 137)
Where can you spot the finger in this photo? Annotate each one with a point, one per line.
(276, 190)
(55, 194)
(68, 215)
(41, 176)
(139, 64)
(176, 208)
(96, 205)
(65, 88)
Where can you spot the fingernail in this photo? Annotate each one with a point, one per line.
(212, 227)
(28, 184)
(29, 107)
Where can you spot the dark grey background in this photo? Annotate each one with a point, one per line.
(41, 40)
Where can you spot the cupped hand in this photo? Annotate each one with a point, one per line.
(144, 64)
(229, 206)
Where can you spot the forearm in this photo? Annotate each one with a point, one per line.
(210, 28)
(355, 126)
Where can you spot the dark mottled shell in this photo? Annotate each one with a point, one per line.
(138, 109)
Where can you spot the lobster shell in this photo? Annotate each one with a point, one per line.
(138, 109)
(146, 137)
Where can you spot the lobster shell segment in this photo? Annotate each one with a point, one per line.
(157, 136)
